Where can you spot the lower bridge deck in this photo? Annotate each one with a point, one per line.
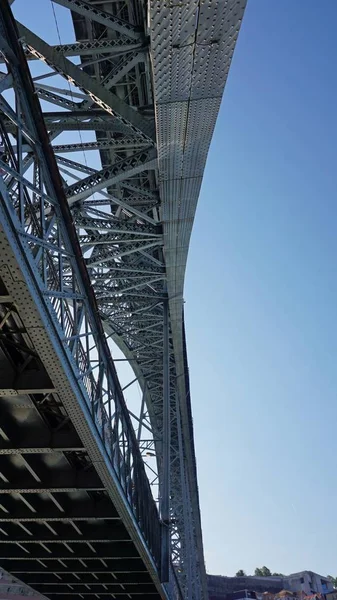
(60, 532)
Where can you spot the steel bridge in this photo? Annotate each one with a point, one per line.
(103, 143)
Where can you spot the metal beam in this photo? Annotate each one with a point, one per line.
(56, 99)
(105, 99)
(97, 588)
(128, 62)
(73, 511)
(108, 256)
(111, 531)
(115, 144)
(112, 225)
(19, 566)
(111, 47)
(99, 16)
(166, 441)
(37, 443)
(125, 205)
(58, 481)
(102, 550)
(85, 577)
(121, 170)
(93, 596)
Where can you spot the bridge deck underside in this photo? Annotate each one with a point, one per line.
(59, 530)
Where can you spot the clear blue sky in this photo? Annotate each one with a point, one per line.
(261, 295)
(261, 299)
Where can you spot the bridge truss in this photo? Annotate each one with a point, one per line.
(102, 222)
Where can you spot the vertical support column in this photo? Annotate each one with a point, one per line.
(165, 488)
(141, 416)
(188, 541)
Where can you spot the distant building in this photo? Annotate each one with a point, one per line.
(221, 588)
(308, 582)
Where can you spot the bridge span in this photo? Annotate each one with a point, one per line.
(103, 144)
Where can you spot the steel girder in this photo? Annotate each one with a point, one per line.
(161, 68)
(89, 47)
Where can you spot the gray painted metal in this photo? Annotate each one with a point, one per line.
(166, 442)
(152, 108)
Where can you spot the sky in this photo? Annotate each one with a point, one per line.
(261, 300)
(261, 296)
